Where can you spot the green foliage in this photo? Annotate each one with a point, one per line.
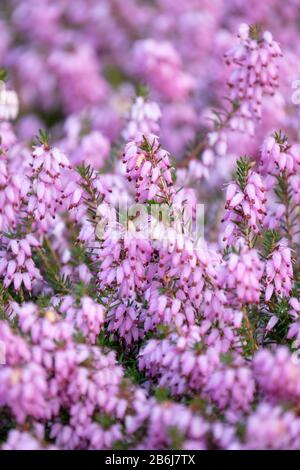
(255, 32)
(243, 166)
(50, 117)
(270, 241)
(199, 347)
(16, 234)
(106, 340)
(105, 420)
(142, 90)
(282, 189)
(177, 438)
(284, 193)
(147, 147)
(93, 198)
(6, 423)
(3, 75)
(64, 416)
(120, 445)
(44, 301)
(42, 138)
(86, 126)
(280, 138)
(227, 358)
(162, 330)
(127, 358)
(48, 263)
(3, 301)
(162, 394)
(241, 430)
(114, 75)
(279, 308)
(174, 175)
(132, 371)
(248, 330)
(85, 171)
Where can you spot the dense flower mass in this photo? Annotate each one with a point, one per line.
(149, 225)
(255, 73)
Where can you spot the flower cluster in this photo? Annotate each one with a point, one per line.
(160, 64)
(278, 374)
(13, 191)
(51, 189)
(255, 73)
(243, 273)
(245, 204)
(143, 118)
(141, 305)
(182, 363)
(17, 266)
(279, 271)
(149, 167)
(278, 156)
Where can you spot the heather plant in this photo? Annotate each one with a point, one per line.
(123, 325)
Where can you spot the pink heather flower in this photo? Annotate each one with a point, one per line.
(84, 274)
(217, 143)
(7, 135)
(124, 259)
(44, 328)
(87, 232)
(37, 81)
(76, 376)
(16, 348)
(278, 156)
(217, 307)
(24, 389)
(167, 310)
(294, 181)
(82, 364)
(274, 216)
(160, 65)
(113, 188)
(125, 320)
(22, 440)
(294, 330)
(9, 103)
(79, 86)
(160, 418)
(242, 274)
(13, 192)
(272, 323)
(244, 205)
(93, 150)
(17, 266)
(270, 428)
(279, 271)
(231, 388)
(27, 126)
(180, 362)
(148, 166)
(100, 438)
(143, 119)
(190, 262)
(178, 126)
(200, 167)
(224, 436)
(32, 20)
(54, 186)
(88, 319)
(254, 74)
(277, 374)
